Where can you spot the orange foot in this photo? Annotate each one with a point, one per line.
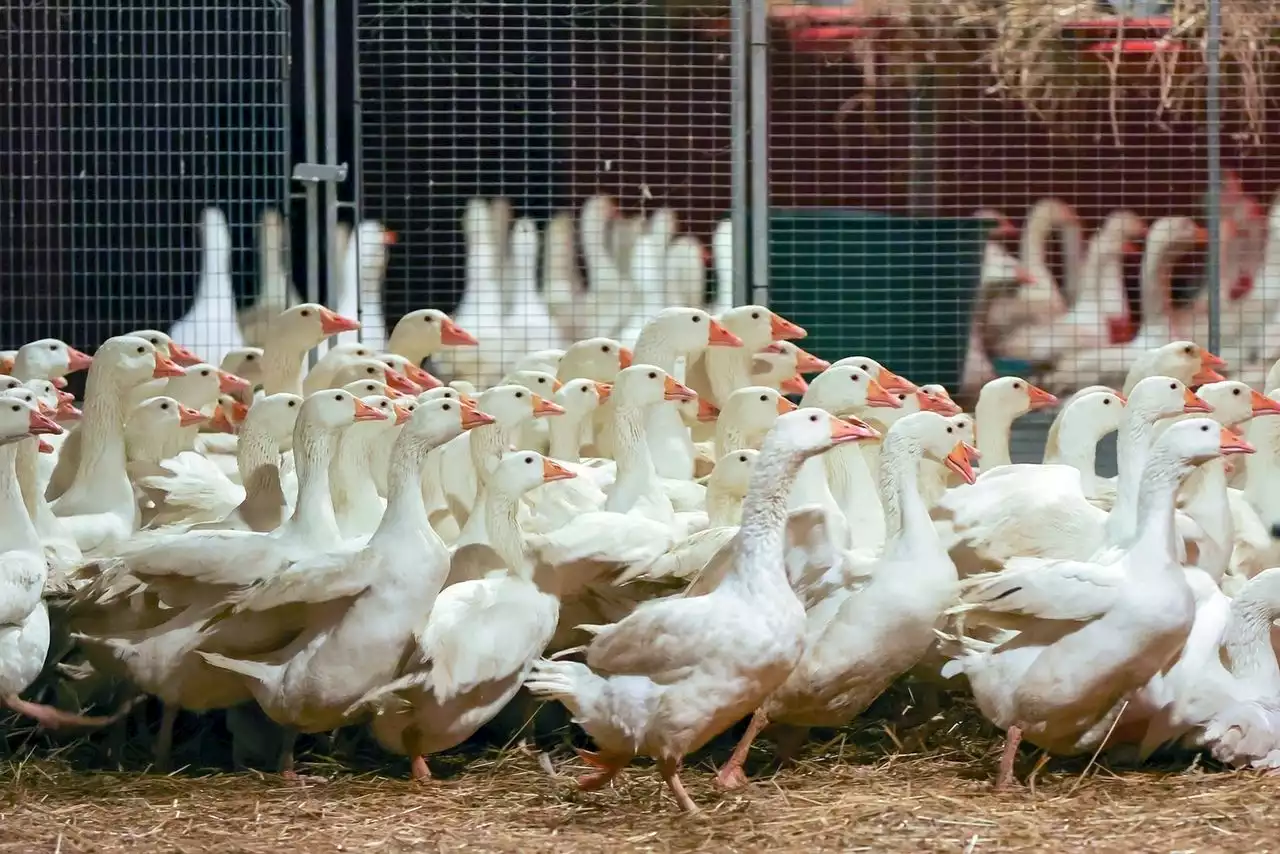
(731, 777)
(418, 769)
(607, 768)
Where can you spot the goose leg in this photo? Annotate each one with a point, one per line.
(51, 717)
(164, 738)
(732, 776)
(1012, 738)
(607, 766)
(670, 771)
(418, 768)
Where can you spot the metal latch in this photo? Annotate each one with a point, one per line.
(318, 173)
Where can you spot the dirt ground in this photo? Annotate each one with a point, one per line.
(841, 796)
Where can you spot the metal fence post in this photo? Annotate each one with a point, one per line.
(1213, 131)
(759, 79)
(740, 154)
(330, 37)
(310, 141)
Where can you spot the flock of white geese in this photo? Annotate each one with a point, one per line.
(361, 543)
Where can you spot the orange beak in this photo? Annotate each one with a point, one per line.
(785, 406)
(43, 447)
(890, 381)
(937, 403)
(1130, 248)
(68, 412)
(389, 238)
(961, 461)
(784, 330)
(794, 385)
(472, 418)
(1260, 404)
(1006, 229)
(400, 382)
(603, 390)
(1202, 236)
(675, 390)
(331, 323)
(556, 385)
(625, 357)
(424, 379)
(1192, 402)
(365, 412)
(552, 470)
(182, 355)
(220, 423)
(706, 412)
(851, 430)
(66, 397)
(1023, 276)
(239, 411)
(878, 397)
(166, 368)
(402, 414)
(545, 407)
(467, 400)
(229, 383)
(1211, 360)
(44, 409)
(393, 394)
(1040, 398)
(188, 417)
(718, 336)
(6, 365)
(453, 335)
(1233, 443)
(77, 361)
(807, 363)
(38, 424)
(58, 382)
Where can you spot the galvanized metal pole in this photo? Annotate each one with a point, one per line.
(759, 80)
(923, 145)
(310, 141)
(740, 192)
(1213, 199)
(331, 148)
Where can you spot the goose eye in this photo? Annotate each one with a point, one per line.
(583, 389)
(337, 397)
(1017, 385)
(1188, 350)
(53, 346)
(250, 357)
(427, 319)
(902, 397)
(1204, 428)
(697, 318)
(764, 398)
(164, 406)
(204, 373)
(519, 395)
(604, 348)
(813, 418)
(1173, 386)
(652, 375)
(1236, 392)
(949, 430)
(1106, 401)
(306, 314)
(446, 407)
(293, 403)
(755, 315)
(142, 349)
(854, 377)
(528, 461)
(542, 380)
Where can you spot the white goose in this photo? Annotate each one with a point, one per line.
(210, 327)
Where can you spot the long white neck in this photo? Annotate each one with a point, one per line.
(102, 446)
(1078, 448)
(255, 448)
(724, 508)
(653, 348)
(282, 367)
(27, 468)
(731, 437)
(313, 514)
(758, 566)
(994, 427)
(488, 443)
(405, 518)
(728, 369)
(636, 474)
(405, 342)
(1207, 502)
(17, 533)
(1247, 643)
(906, 516)
(501, 511)
(567, 433)
(1133, 447)
(1156, 499)
(351, 485)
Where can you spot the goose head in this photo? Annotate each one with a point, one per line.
(62, 403)
(909, 403)
(538, 382)
(161, 415)
(1121, 233)
(753, 409)
(305, 325)
(1195, 441)
(756, 326)
(49, 358)
(1002, 228)
(335, 409)
(781, 364)
(463, 387)
(435, 422)
(373, 369)
(243, 362)
(597, 359)
(1090, 413)
(275, 417)
(512, 405)
(1235, 402)
(689, 330)
(372, 240)
(423, 380)
(732, 475)
(19, 419)
(842, 389)
(131, 361)
(810, 431)
(202, 383)
(167, 347)
(1187, 361)
(580, 397)
(939, 400)
(32, 398)
(364, 388)
(445, 392)
(936, 437)
(887, 378)
(966, 427)
(428, 330)
(1163, 397)
(642, 386)
(343, 353)
(1013, 397)
(520, 471)
(229, 414)
(393, 414)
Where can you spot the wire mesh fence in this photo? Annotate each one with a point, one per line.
(121, 124)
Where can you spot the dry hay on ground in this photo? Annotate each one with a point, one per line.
(837, 798)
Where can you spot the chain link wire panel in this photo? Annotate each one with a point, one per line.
(893, 134)
(122, 122)
(586, 144)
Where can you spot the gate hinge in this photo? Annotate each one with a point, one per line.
(317, 173)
